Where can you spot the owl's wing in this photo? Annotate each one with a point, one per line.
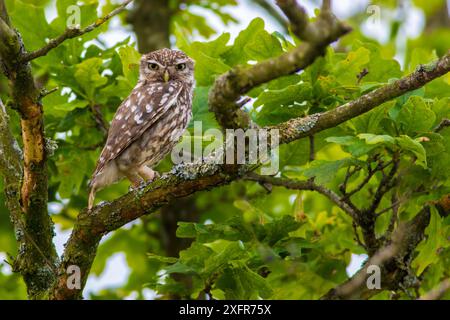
(143, 107)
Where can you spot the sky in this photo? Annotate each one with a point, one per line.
(117, 271)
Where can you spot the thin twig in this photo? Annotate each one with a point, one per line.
(357, 237)
(371, 172)
(70, 33)
(350, 172)
(393, 206)
(46, 92)
(303, 185)
(443, 124)
(386, 183)
(99, 120)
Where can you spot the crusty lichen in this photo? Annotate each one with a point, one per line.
(307, 123)
(191, 171)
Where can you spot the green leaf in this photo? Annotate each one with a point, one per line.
(238, 54)
(370, 121)
(379, 68)
(284, 104)
(428, 249)
(413, 146)
(162, 259)
(130, 63)
(415, 116)
(324, 171)
(88, 76)
(441, 108)
(215, 48)
(346, 71)
(274, 231)
(200, 109)
(263, 46)
(376, 139)
(234, 229)
(229, 251)
(286, 96)
(30, 20)
(240, 282)
(68, 163)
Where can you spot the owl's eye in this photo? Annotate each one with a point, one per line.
(181, 66)
(153, 66)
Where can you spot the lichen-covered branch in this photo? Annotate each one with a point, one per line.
(92, 225)
(70, 33)
(230, 86)
(301, 127)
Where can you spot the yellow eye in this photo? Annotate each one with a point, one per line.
(181, 66)
(153, 66)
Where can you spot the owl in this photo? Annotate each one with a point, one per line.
(148, 123)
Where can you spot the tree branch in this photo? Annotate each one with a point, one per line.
(92, 225)
(438, 292)
(443, 124)
(70, 33)
(393, 261)
(303, 185)
(38, 228)
(272, 11)
(301, 127)
(151, 20)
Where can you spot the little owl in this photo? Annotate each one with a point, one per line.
(148, 123)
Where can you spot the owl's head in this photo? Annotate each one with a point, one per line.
(166, 65)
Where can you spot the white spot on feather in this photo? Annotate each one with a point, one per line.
(138, 118)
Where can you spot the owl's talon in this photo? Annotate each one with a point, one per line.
(148, 174)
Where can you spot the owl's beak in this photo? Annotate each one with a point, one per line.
(166, 76)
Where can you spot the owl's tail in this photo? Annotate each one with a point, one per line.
(91, 198)
(92, 191)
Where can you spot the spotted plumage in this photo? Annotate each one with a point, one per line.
(149, 122)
